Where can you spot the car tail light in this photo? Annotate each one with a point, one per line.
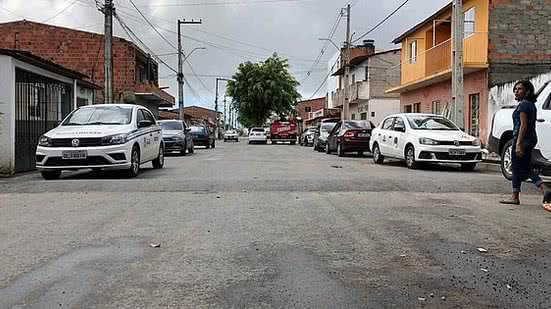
(348, 134)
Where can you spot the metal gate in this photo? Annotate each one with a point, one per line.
(40, 103)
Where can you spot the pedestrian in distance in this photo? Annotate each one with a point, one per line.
(524, 140)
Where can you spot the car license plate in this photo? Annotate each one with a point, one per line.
(457, 152)
(74, 154)
(363, 134)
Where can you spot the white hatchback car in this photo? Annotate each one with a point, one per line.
(258, 135)
(418, 138)
(107, 136)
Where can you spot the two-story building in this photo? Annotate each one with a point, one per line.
(305, 109)
(503, 41)
(370, 75)
(136, 74)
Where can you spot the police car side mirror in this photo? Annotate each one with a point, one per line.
(144, 123)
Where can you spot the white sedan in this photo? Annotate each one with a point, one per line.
(419, 138)
(258, 135)
(109, 136)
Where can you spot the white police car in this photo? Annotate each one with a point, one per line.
(107, 136)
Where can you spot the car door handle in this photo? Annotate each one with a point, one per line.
(541, 120)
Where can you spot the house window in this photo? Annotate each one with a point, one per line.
(469, 19)
(363, 116)
(372, 114)
(82, 102)
(474, 114)
(417, 107)
(353, 78)
(140, 74)
(353, 116)
(413, 52)
(308, 109)
(366, 73)
(408, 108)
(437, 107)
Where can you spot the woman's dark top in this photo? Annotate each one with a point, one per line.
(530, 138)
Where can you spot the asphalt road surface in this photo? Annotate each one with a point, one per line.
(272, 226)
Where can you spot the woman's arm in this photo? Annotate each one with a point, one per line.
(521, 133)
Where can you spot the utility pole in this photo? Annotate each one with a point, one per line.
(218, 79)
(457, 63)
(181, 65)
(346, 105)
(108, 51)
(226, 116)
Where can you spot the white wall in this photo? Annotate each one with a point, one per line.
(382, 107)
(332, 82)
(502, 95)
(7, 115)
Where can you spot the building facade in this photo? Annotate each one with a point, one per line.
(305, 109)
(35, 95)
(370, 75)
(135, 72)
(503, 41)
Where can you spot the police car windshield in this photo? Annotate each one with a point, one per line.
(419, 122)
(99, 115)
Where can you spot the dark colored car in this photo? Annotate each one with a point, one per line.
(349, 136)
(176, 136)
(203, 136)
(323, 130)
(307, 137)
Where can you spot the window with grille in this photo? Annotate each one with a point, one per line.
(469, 20)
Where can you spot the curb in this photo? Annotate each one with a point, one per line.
(490, 167)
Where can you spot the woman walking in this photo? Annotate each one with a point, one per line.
(524, 140)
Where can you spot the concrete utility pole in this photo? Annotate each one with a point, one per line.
(108, 51)
(218, 79)
(457, 63)
(346, 105)
(181, 65)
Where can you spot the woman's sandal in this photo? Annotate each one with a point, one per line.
(547, 201)
(510, 202)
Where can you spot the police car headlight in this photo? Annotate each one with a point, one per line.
(44, 141)
(427, 141)
(476, 142)
(114, 139)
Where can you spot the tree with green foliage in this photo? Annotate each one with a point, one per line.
(261, 90)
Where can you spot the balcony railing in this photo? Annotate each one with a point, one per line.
(439, 58)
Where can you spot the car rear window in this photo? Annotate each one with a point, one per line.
(171, 126)
(198, 129)
(258, 130)
(358, 125)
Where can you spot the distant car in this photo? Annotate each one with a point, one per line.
(307, 137)
(258, 135)
(202, 136)
(320, 136)
(231, 135)
(104, 136)
(349, 136)
(177, 136)
(423, 138)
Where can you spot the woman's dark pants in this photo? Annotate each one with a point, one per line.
(522, 169)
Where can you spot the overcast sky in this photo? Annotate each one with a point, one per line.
(234, 31)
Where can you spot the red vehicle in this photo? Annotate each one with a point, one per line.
(283, 131)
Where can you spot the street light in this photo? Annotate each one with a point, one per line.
(191, 52)
(329, 40)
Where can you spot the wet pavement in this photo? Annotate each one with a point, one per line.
(272, 226)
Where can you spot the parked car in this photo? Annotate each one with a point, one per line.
(349, 136)
(177, 136)
(320, 136)
(231, 135)
(113, 136)
(307, 137)
(422, 138)
(501, 135)
(258, 135)
(203, 136)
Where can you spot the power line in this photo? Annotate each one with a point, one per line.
(325, 45)
(60, 12)
(324, 80)
(382, 21)
(220, 3)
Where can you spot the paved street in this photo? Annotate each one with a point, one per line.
(274, 226)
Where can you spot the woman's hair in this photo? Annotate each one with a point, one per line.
(530, 90)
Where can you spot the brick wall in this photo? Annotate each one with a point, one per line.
(315, 105)
(77, 50)
(519, 37)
